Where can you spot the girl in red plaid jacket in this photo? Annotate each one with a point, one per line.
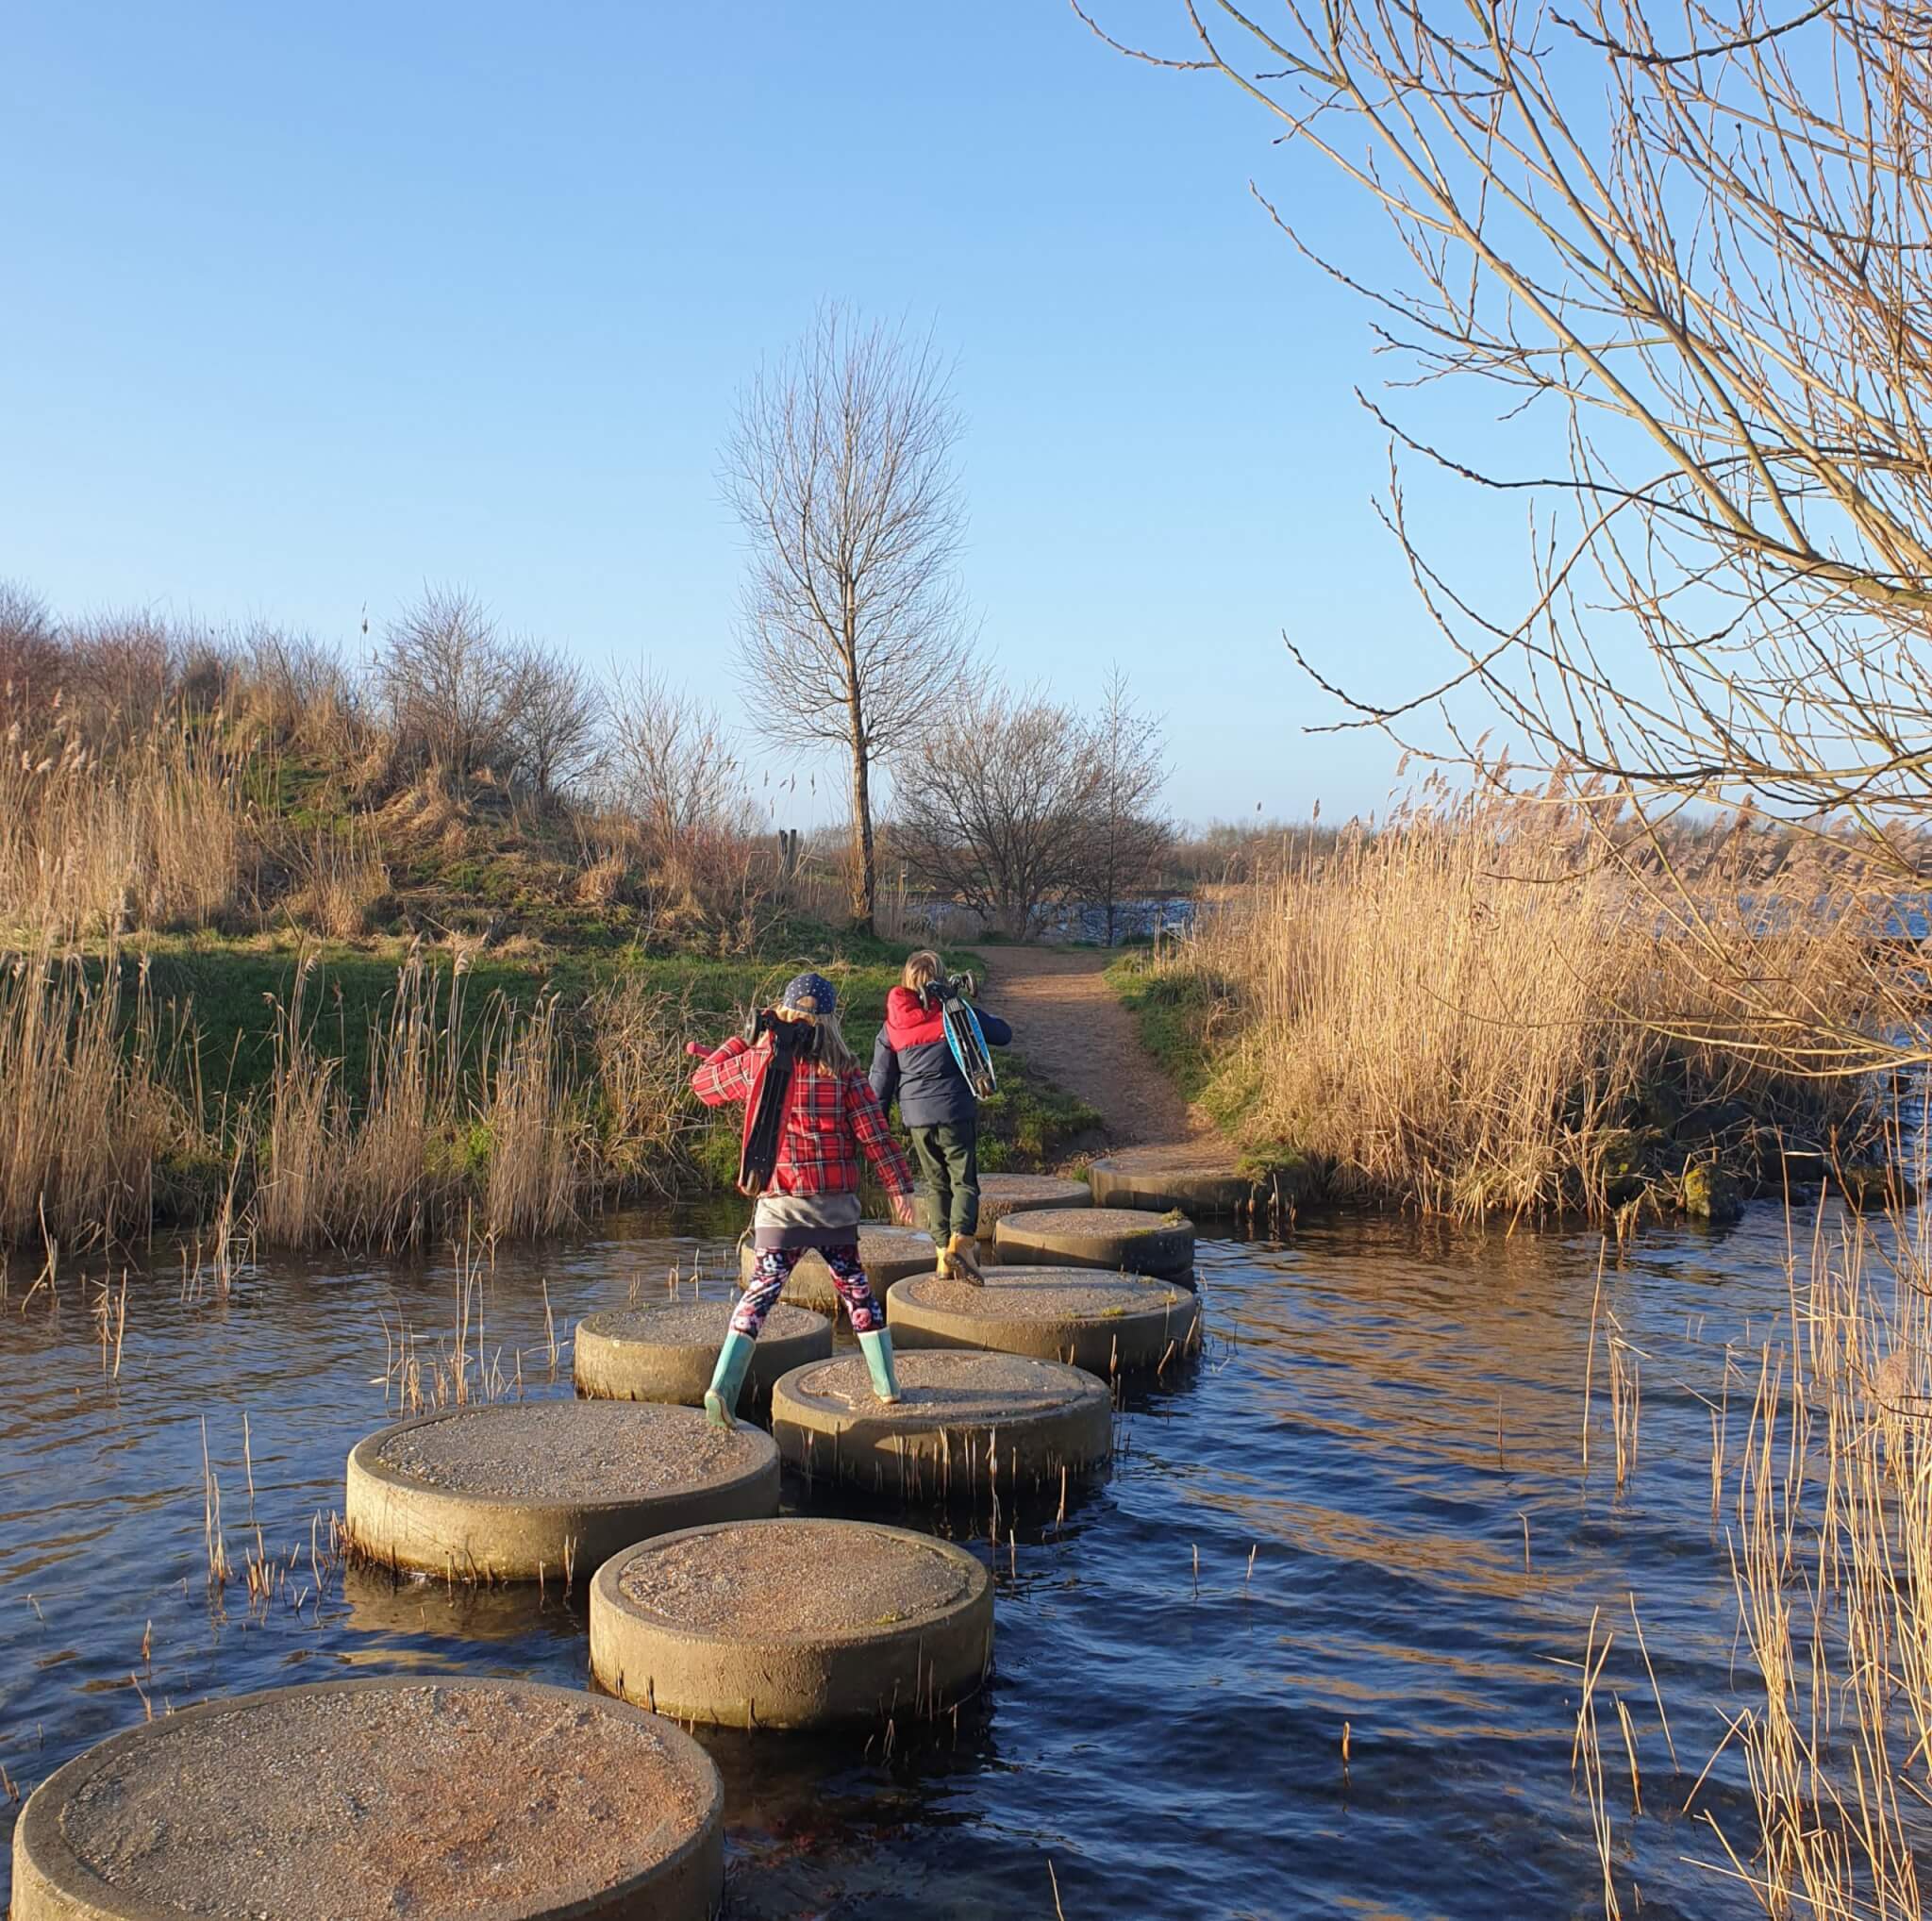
(811, 1201)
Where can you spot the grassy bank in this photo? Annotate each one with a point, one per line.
(303, 954)
(382, 1094)
(1471, 1015)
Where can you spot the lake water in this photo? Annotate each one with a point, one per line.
(1384, 1410)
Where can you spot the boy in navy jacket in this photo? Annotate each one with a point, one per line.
(911, 1062)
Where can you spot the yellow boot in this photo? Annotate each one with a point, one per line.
(962, 1256)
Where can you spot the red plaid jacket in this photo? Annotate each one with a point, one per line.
(826, 1117)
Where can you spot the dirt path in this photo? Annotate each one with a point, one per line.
(1068, 1025)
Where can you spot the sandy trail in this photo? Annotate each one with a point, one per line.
(1069, 1025)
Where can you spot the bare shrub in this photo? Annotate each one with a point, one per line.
(452, 687)
(121, 671)
(995, 808)
(559, 717)
(299, 690)
(672, 771)
(840, 470)
(31, 658)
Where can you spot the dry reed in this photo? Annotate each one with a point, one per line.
(147, 834)
(1468, 1011)
(1831, 1550)
(85, 1104)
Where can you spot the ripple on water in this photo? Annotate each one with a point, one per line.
(1380, 1410)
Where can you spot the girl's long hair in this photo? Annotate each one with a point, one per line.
(828, 1047)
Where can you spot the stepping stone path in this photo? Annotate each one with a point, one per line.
(1122, 1239)
(543, 1490)
(792, 1624)
(1001, 1194)
(889, 1252)
(665, 1351)
(363, 1799)
(1104, 1323)
(937, 1441)
(1181, 1177)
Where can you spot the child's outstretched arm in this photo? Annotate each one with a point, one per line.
(998, 1033)
(728, 1074)
(887, 1157)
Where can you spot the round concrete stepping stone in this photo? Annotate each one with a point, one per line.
(366, 1799)
(792, 1624)
(889, 1253)
(1158, 1179)
(1001, 1194)
(1120, 1238)
(966, 1421)
(1105, 1322)
(665, 1351)
(534, 1490)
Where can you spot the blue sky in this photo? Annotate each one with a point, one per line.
(307, 306)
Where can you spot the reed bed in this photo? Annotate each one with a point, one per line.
(1471, 1011)
(87, 1104)
(525, 1117)
(403, 1159)
(150, 834)
(1829, 1505)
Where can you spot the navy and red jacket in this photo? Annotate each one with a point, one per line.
(910, 1061)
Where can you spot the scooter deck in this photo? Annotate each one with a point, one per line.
(968, 1042)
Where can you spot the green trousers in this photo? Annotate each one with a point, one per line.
(948, 1157)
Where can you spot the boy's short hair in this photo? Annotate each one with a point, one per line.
(922, 969)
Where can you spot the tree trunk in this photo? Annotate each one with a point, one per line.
(865, 869)
(864, 875)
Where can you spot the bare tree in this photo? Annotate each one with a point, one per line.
(840, 470)
(996, 808)
(558, 708)
(1125, 833)
(670, 765)
(1696, 261)
(452, 685)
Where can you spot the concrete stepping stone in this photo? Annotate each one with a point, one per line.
(795, 1623)
(1182, 1179)
(366, 1799)
(1105, 1323)
(1122, 1239)
(1001, 1194)
(889, 1251)
(967, 1421)
(543, 1490)
(665, 1350)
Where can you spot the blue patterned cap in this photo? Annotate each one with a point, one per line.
(811, 994)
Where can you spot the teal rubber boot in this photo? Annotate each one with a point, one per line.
(877, 1349)
(727, 1377)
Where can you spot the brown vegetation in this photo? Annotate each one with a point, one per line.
(1472, 1013)
(1016, 802)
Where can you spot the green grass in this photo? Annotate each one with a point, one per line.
(1170, 1012)
(1177, 1017)
(225, 994)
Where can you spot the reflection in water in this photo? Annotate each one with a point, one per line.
(1363, 1506)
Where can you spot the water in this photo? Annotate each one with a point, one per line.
(1382, 1410)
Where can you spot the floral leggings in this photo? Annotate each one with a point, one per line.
(774, 1269)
